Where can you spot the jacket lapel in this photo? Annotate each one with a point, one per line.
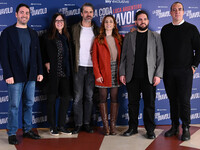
(149, 38)
(15, 40)
(15, 37)
(133, 41)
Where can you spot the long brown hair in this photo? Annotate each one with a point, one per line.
(52, 28)
(115, 32)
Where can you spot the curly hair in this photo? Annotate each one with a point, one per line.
(115, 32)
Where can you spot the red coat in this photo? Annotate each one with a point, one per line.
(101, 62)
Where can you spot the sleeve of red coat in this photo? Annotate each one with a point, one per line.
(95, 59)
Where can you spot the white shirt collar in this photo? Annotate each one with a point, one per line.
(179, 23)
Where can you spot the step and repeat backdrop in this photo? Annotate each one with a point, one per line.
(124, 12)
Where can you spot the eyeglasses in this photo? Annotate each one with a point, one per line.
(59, 21)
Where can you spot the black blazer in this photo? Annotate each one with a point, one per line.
(11, 56)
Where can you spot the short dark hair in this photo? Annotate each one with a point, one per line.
(176, 3)
(21, 5)
(141, 12)
(87, 5)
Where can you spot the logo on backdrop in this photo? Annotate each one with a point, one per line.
(4, 120)
(123, 15)
(161, 96)
(191, 14)
(40, 119)
(40, 98)
(160, 117)
(195, 96)
(68, 12)
(161, 14)
(3, 99)
(40, 11)
(195, 116)
(4, 11)
(117, 1)
(196, 76)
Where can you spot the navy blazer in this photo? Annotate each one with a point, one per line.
(11, 56)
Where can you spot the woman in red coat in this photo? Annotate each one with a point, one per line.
(106, 59)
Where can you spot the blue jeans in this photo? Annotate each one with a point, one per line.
(83, 92)
(26, 91)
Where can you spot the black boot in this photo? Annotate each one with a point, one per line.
(186, 134)
(173, 131)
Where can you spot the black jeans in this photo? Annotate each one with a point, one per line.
(83, 92)
(135, 87)
(64, 95)
(178, 86)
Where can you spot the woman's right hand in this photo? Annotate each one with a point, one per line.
(100, 79)
(47, 65)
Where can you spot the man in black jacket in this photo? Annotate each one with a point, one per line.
(22, 66)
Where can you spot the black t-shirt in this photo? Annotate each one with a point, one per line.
(140, 65)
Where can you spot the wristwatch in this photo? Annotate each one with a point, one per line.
(194, 67)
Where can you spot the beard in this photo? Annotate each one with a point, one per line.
(142, 28)
(22, 21)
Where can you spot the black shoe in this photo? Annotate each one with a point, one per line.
(87, 128)
(151, 135)
(130, 132)
(31, 134)
(186, 134)
(13, 140)
(76, 130)
(171, 132)
(54, 131)
(62, 130)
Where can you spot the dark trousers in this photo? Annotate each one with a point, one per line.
(64, 95)
(135, 87)
(178, 86)
(83, 92)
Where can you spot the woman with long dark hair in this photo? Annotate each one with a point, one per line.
(106, 59)
(58, 64)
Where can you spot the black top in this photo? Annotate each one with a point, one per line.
(58, 53)
(140, 65)
(179, 41)
(60, 57)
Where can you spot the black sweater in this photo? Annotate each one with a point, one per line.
(179, 41)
